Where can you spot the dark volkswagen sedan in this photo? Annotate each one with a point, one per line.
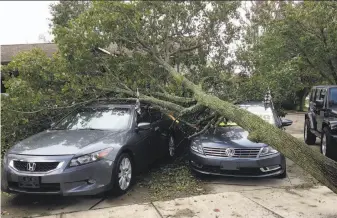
(227, 151)
(92, 150)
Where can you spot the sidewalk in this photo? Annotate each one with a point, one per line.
(316, 202)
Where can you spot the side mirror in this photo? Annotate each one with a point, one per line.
(286, 122)
(143, 126)
(52, 125)
(319, 103)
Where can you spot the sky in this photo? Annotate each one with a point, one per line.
(24, 22)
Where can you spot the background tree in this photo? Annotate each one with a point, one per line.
(292, 44)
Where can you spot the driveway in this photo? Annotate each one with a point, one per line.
(147, 188)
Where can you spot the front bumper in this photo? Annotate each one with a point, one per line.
(271, 165)
(88, 179)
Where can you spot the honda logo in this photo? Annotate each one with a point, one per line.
(31, 166)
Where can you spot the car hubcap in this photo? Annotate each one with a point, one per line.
(125, 173)
(171, 146)
(324, 145)
(305, 132)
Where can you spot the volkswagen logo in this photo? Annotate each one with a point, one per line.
(31, 166)
(230, 152)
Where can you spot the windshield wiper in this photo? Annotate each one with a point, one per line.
(90, 129)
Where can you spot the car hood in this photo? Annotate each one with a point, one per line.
(69, 142)
(233, 136)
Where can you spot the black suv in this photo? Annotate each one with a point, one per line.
(321, 119)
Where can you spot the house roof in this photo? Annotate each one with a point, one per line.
(9, 51)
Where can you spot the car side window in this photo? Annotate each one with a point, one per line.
(155, 115)
(318, 94)
(144, 116)
(325, 101)
(322, 95)
(333, 95)
(312, 94)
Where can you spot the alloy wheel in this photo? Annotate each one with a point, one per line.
(124, 173)
(305, 132)
(171, 146)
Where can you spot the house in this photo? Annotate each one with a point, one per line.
(8, 52)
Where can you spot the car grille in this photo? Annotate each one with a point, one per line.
(240, 172)
(40, 166)
(239, 152)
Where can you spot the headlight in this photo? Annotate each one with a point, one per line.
(333, 127)
(89, 158)
(267, 151)
(195, 146)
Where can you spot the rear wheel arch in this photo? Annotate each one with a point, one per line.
(326, 125)
(309, 137)
(328, 145)
(311, 120)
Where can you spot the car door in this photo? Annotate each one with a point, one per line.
(320, 109)
(311, 109)
(146, 136)
(160, 134)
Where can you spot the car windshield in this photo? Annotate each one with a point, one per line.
(265, 113)
(333, 96)
(100, 118)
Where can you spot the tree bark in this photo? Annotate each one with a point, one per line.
(319, 166)
(301, 95)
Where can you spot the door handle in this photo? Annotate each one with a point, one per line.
(156, 128)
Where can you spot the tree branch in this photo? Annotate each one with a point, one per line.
(152, 100)
(192, 109)
(204, 129)
(186, 49)
(174, 98)
(220, 119)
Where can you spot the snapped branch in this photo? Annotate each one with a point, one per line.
(182, 50)
(174, 98)
(204, 129)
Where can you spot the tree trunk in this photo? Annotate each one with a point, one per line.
(319, 166)
(301, 95)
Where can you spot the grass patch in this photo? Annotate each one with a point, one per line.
(5, 194)
(172, 180)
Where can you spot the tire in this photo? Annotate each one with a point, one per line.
(123, 174)
(326, 143)
(309, 137)
(171, 147)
